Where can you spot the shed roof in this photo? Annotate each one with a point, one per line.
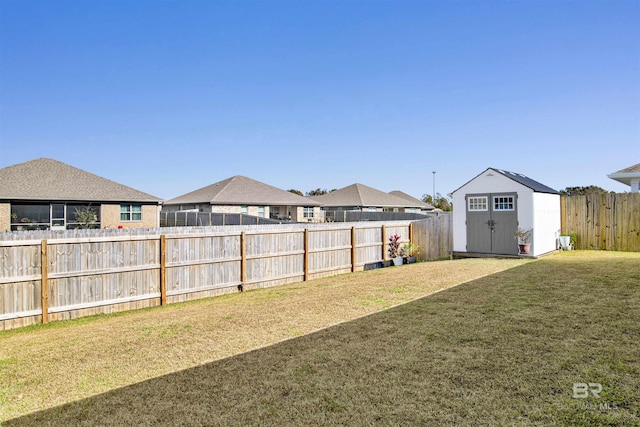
(49, 179)
(362, 195)
(519, 178)
(626, 175)
(240, 190)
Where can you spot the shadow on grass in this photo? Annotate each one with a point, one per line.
(502, 350)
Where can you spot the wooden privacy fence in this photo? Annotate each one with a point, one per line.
(607, 222)
(434, 236)
(58, 278)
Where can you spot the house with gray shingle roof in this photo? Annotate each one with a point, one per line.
(359, 197)
(242, 195)
(48, 194)
(425, 207)
(629, 176)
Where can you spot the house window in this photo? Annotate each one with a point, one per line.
(261, 211)
(82, 216)
(308, 212)
(244, 209)
(274, 212)
(30, 216)
(477, 203)
(130, 212)
(503, 203)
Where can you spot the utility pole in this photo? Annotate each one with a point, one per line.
(433, 200)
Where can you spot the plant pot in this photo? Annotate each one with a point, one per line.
(565, 242)
(397, 260)
(412, 259)
(524, 248)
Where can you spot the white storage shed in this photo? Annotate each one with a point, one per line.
(489, 209)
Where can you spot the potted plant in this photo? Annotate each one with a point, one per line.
(567, 241)
(394, 249)
(408, 251)
(524, 240)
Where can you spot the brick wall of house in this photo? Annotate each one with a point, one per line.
(5, 216)
(110, 217)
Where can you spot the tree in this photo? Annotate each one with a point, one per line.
(86, 216)
(441, 202)
(581, 191)
(298, 192)
(319, 192)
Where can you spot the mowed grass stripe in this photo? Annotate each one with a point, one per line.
(505, 349)
(45, 366)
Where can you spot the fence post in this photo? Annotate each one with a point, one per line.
(384, 240)
(44, 282)
(353, 249)
(306, 254)
(243, 257)
(163, 270)
(410, 232)
(563, 214)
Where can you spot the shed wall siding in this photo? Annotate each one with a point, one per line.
(546, 222)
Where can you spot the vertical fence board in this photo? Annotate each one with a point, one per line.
(163, 270)
(306, 255)
(354, 249)
(44, 283)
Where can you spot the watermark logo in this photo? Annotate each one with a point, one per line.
(584, 390)
(593, 390)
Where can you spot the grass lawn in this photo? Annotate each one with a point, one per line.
(503, 349)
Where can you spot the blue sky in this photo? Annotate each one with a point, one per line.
(170, 96)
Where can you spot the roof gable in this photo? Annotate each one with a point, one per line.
(411, 199)
(536, 186)
(49, 179)
(362, 195)
(626, 175)
(630, 169)
(240, 190)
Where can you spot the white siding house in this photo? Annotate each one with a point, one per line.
(492, 206)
